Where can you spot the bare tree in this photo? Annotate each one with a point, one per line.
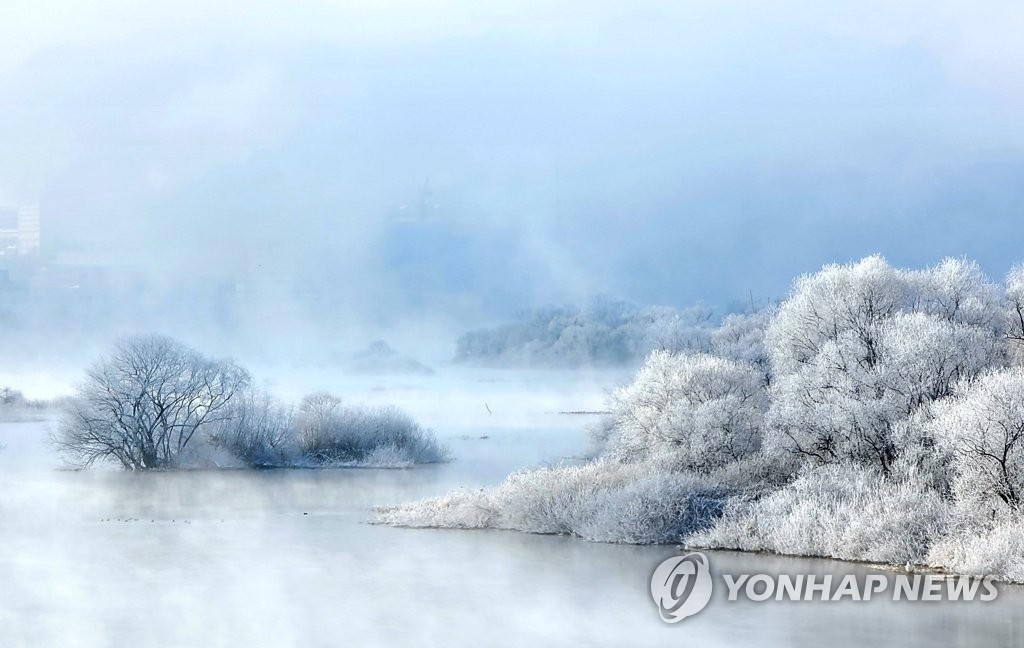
(143, 405)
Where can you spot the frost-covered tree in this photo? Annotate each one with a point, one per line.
(1014, 311)
(694, 411)
(11, 397)
(983, 427)
(740, 337)
(858, 297)
(890, 386)
(924, 357)
(667, 329)
(144, 404)
(839, 301)
(958, 291)
(857, 349)
(835, 408)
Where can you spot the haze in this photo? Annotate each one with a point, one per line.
(420, 168)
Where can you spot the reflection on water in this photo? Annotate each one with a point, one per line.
(284, 558)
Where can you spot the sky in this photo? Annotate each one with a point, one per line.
(394, 162)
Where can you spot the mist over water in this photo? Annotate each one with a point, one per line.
(287, 558)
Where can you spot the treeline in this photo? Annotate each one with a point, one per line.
(606, 332)
(876, 414)
(14, 406)
(155, 403)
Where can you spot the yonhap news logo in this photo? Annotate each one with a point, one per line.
(681, 586)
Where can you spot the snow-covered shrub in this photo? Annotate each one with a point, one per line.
(695, 412)
(331, 433)
(991, 550)
(982, 426)
(256, 431)
(603, 501)
(460, 509)
(653, 509)
(840, 510)
(557, 499)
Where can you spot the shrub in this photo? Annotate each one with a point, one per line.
(256, 431)
(990, 550)
(603, 501)
(331, 433)
(840, 510)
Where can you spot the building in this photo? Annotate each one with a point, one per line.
(28, 229)
(19, 230)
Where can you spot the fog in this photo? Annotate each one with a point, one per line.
(286, 558)
(325, 173)
(489, 215)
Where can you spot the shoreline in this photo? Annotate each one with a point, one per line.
(886, 567)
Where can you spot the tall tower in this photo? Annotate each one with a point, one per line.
(28, 229)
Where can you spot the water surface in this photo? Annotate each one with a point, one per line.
(286, 558)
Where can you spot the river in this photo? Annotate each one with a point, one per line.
(287, 558)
